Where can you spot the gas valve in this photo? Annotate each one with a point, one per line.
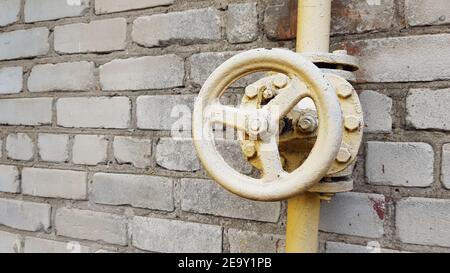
(293, 147)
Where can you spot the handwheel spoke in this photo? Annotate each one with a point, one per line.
(228, 116)
(270, 159)
(288, 97)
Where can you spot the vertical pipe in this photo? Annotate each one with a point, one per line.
(313, 35)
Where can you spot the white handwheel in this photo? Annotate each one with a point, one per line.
(306, 81)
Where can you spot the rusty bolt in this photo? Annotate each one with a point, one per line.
(251, 91)
(351, 123)
(345, 90)
(268, 94)
(249, 149)
(280, 81)
(344, 155)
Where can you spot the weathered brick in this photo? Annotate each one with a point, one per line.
(135, 151)
(24, 43)
(9, 11)
(163, 235)
(37, 111)
(91, 225)
(205, 196)
(53, 148)
(76, 76)
(94, 112)
(109, 6)
(54, 183)
(231, 152)
(9, 179)
(140, 191)
(405, 164)
(428, 109)
(10, 243)
(445, 171)
(403, 59)
(427, 12)
(43, 10)
(89, 150)
(377, 112)
(164, 112)
(11, 81)
(19, 146)
(96, 36)
(38, 245)
(352, 213)
(200, 25)
(348, 16)
(150, 72)
(24, 215)
(242, 241)
(371, 247)
(177, 155)
(423, 221)
(242, 23)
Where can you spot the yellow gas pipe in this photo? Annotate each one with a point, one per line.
(313, 35)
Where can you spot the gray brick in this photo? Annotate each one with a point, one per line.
(405, 164)
(89, 149)
(206, 196)
(200, 25)
(9, 11)
(231, 152)
(177, 155)
(43, 10)
(24, 43)
(54, 183)
(162, 112)
(428, 109)
(10, 243)
(162, 235)
(38, 245)
(352, 213)
(37, 111)
(24, 215)
(371, 247)
(96, 36)
(423, 221)
(91, 225)
(242, 22)
(19, 146)
(403, 59)
(76, 76)
(53, 148)
(242, 241)
(133, 151)
(109, 6)
(11, 81)
(377, 112)
(94, 112)
(445, 171)
(151, 72)
(427, 12)
(9, 179)
(140, 191)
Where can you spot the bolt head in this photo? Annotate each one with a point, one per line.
(251, 91)
(307, 124)
(280, 81)
(351, 123)
(249, 149)
(345, 90)
(344, 155)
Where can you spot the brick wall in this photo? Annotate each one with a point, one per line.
(87, 162)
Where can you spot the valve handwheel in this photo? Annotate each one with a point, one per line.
(305, 80)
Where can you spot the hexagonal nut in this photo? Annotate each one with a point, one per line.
(251, 91)
(345, 90)
(343, 156)
(280, 81)
(351, 123)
